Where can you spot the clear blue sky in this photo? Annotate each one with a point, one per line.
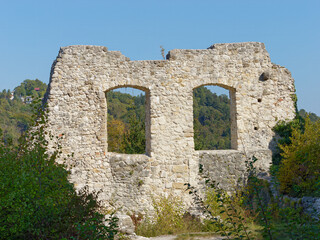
(33, 31)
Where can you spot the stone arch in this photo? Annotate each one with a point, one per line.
(233, 111)
(145, 89)
(147, 114)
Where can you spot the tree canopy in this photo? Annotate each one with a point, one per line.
(15, 112)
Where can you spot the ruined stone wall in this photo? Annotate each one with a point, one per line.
(260, 92)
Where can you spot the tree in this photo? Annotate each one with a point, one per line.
(116, 130)
(126, 123)
(313, 117)
(299, 172)
(134, 139)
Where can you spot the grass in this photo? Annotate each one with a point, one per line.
(168, 218)
(238, 217)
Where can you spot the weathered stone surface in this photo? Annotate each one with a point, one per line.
(78, 109)
(125, 224)
(180, 169)
(310, 205)
(228, 167)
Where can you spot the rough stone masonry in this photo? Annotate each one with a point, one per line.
(261, 94)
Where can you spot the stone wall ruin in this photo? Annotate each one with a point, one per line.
(260, 92)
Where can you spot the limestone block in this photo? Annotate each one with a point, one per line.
(180, 168)
(177, 185)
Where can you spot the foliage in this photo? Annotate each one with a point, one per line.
(122, 106)
(38, 202)
(211, 116)
(239, 215)
(305, 182)
(223, 212)
(15, 114)
(299, 172)
(313, 117)
(134, 140)
(116, 130)
(34, 88)
(280, 217)
(126, 125)
(169, 218)
(284, 132)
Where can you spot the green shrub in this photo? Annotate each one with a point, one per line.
(299, 172)
(284, 131)
(169, 218)
(253, 212)
(38, 202)
(224, 212)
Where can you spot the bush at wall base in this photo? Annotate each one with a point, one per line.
(38, 202)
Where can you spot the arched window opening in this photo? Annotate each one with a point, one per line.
(211, 118)
(126, 120)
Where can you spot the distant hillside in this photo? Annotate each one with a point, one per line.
(16, 108)
(126, 122)
(211, 116)
(313, 117)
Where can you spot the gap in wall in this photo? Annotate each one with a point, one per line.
(126, 120)
(211, 118)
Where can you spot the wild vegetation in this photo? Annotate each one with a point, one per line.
(126, 122)
(312, 116)
(255, 211)
(169, 218)
(38, 202)
(211, 116)
(251, 212)
(298, 167)
(16, 111)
